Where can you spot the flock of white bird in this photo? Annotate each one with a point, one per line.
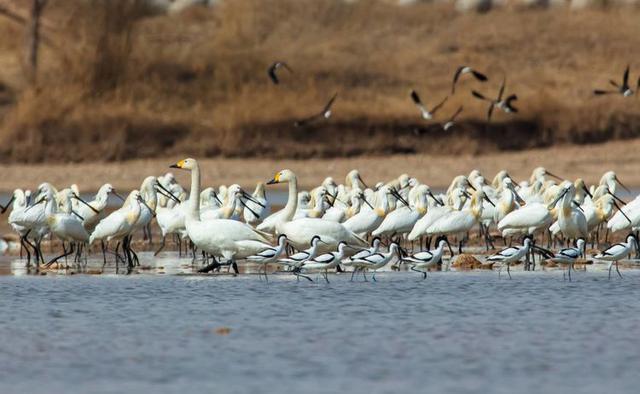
(336, 226)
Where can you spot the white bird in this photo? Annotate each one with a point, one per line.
(460, 222)
(375, 261)
(226, 238)
(460, 71)
(434, 213)
(269, 255)
(571, 220)
(254, 212)
(528, 220)
(426, 114)
(570, 255)
(120, 222)
(402, 220)
(297, 259)
(368, 220)
(617, 252)
(99, 203)
(299, 232)
(511, 255)
(326, 261)
(423, 261)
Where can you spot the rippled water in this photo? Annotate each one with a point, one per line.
(455, 332)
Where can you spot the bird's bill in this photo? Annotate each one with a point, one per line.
(552, 175)
(515, 192)
(621, 211)
(4, 209)
(621, 201)
(558, 197)
(84, 202)
(179, 164)
(399, 197)
(471, 186)
(250, 198)
(168, 193)
(143, 202)
(584, 188)
(117, 195)
(276, 179)
(249, 208)
(438, 202)
(364, 199)
(77, 215)
(489, 201)
(39, 201)
(360, 179)
(622, 185)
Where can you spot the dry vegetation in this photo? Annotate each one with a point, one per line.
(117, 82)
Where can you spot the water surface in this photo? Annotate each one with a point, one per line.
(455, 332)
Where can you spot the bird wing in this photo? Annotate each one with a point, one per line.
(490, 112)
(267, 253)
(455, 78)
(508, 252)
(418, 103)
(614, 249)
(272, 73)
(501, 92)
(437, 107)
(423, 256)
(599, 92)
(572, 253)
(374, 258)
(625, 79)
(480, 96)
(330, 103)
(479, 76)
(324, 258)
(509, 103)
(455, 114)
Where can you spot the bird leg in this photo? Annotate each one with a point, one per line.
(65, 254)
(210, 267)
(618, 270)
(161, 246)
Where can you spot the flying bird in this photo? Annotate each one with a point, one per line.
(324, 114)
(426, 114)
(622, 89)
(504, 104)
(274, 68)
(467, 70)
(451, 122)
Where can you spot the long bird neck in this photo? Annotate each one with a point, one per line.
(193, 213)
(292, 201)
(476, 207)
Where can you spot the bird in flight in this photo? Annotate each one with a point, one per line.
(451, 122)
(505, 104)
(426, 114)
(467, 70)
(324, 114)
(272, 71)
(624, 89)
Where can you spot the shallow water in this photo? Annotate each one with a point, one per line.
(456, 332)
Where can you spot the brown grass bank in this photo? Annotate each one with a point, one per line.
(117, 83)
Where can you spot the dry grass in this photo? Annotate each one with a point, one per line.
(119, 83)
